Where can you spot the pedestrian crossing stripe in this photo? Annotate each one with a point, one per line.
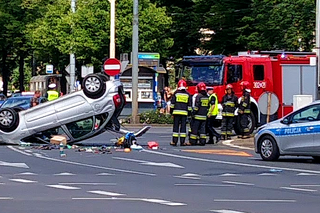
(219, 152)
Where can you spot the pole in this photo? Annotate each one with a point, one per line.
(112, 28)
(135, 69)
(318, 38)
(72, 57)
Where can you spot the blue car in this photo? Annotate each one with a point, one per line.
(20, 101)
(2, 99)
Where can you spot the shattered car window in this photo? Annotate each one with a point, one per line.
(80, 128)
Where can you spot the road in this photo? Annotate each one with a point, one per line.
(213, 178)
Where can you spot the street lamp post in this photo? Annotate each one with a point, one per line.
(318, 38)
(112, 51)
(135, 69)
(72, 57)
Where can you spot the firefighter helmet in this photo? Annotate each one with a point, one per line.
(229, 86)
(201, 87)
(245, 84)
(182, 84)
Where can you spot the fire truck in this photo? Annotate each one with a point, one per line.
(275, 78)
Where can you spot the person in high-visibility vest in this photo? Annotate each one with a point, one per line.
(200, 112)
(52, 94)
(244, 109)
(212, 114)
(180, 108)
(229, 105)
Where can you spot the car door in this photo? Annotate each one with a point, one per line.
(298, 135)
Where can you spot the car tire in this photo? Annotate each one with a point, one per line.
(251, 125)
(9, 119)
(94, 86)
(268, 148)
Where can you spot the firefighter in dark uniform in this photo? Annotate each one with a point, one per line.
(180, 108)
(229, 105)
(244, 109)
(212, 114)
(200, 112)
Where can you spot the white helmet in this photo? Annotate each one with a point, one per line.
(53, 85)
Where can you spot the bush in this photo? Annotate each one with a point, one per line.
(155, 117)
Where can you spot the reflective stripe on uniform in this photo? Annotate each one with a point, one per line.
(179, 112)
(175, 134)
(228, 114)
(200, 117)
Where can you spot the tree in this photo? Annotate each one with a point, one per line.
(86, 32)
(287, 25)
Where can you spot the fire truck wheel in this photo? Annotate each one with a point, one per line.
(251, 124)
(9, 119)
(93, 86)
(268, 148)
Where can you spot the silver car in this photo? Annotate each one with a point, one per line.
(78, 115)
(295, 134)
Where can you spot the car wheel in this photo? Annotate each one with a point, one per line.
(93, 86)
(268, 148)
(9, 119)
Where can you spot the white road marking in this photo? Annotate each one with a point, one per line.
(6, 198)
(97, 167)
(19, 165)
(225, 211)
(23, 181)
(305, 174)
(63, 187)
(203, 184)
(238, 183)
(163, 202)
(105, 174)
(1, 183)
(106, 193)
(230, 162)
(270, 201)
(306, 185)
(94, 184)
(149, 163)
(64, 174)
(188, 177)
(228, 143)
(17, 150)
(267, 174)
(130, 159)
(26, 173)
(229, 175)
(163, 164)
(299, 189)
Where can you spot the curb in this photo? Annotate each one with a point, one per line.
(229, 143)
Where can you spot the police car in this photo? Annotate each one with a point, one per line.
(295, 134)
(77, 116)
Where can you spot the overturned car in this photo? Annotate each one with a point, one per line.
(78, 116)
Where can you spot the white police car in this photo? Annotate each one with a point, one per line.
(295, 134)
(78, 115)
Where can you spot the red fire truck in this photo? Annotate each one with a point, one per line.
(275, 77)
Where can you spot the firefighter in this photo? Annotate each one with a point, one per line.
(229, 105)
(180, 108)
(200, 112)
(244, 109)
(212, 114)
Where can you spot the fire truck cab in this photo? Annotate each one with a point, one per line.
(275, 77)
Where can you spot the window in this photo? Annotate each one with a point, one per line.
(234, 73)
(258, 72)
(308, 114)
(80, 128)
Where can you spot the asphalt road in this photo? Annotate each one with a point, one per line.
(214, 178)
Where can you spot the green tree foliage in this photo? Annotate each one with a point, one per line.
(86, 32)
(279, 25)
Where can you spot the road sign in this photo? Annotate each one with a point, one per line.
(49, 69)
(112, 67)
